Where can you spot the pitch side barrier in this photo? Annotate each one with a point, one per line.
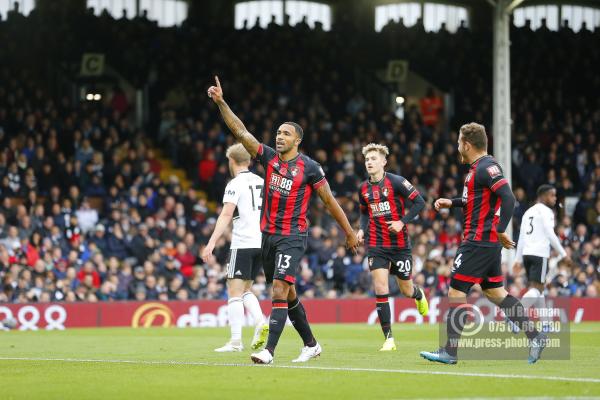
(213, 313)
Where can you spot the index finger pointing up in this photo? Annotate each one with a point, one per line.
(217, 81)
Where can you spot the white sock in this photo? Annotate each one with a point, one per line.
(544, 318)
(530, 298)
(534, 298)
(253, 306)
(235, 308)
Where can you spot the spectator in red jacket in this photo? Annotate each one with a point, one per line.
(119, 101)
(88, 269)
(431, 107)
(207, 168)
(186, 260)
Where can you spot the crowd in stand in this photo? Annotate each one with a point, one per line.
(85, 216)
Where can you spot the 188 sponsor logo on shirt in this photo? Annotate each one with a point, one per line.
(281, 184)
(381, 208)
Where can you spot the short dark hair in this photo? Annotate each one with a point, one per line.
(297, 127)
(474, 133)
(545, 188)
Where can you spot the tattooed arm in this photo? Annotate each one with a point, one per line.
(235, 125)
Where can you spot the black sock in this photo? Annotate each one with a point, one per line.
(455, 322)
(383, 311)
(417, 295)
(277, 322)
(297, 315)
(514, 311)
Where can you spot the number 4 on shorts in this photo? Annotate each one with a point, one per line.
(457, 262)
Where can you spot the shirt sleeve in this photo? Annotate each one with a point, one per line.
(315, 175)
(265, 154)
(406, 189)
(457, 202)
(492, 177)
(232, 193)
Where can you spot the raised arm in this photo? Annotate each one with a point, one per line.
(336, 211)
(235, 125)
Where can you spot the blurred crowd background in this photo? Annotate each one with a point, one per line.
(86, 216)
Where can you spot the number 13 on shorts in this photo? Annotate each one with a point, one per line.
(283, 262)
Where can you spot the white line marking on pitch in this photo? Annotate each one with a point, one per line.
(399, 371)
(517, 398)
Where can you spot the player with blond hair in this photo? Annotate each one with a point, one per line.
(242, 197)
(384, 199)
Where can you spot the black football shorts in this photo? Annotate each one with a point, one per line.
(398, 261)
(476, 264)
(281, 256)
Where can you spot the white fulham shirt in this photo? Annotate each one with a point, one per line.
(537, 233)
(245, 191)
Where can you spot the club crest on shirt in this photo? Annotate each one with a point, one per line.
(494, 171)
(294, 171)
(385, 191)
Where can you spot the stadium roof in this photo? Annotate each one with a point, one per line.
(467, 3)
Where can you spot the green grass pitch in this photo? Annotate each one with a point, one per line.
(171, 363)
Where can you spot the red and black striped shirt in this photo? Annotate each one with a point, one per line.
(481, 204)
(287, 190)
(385, 201)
